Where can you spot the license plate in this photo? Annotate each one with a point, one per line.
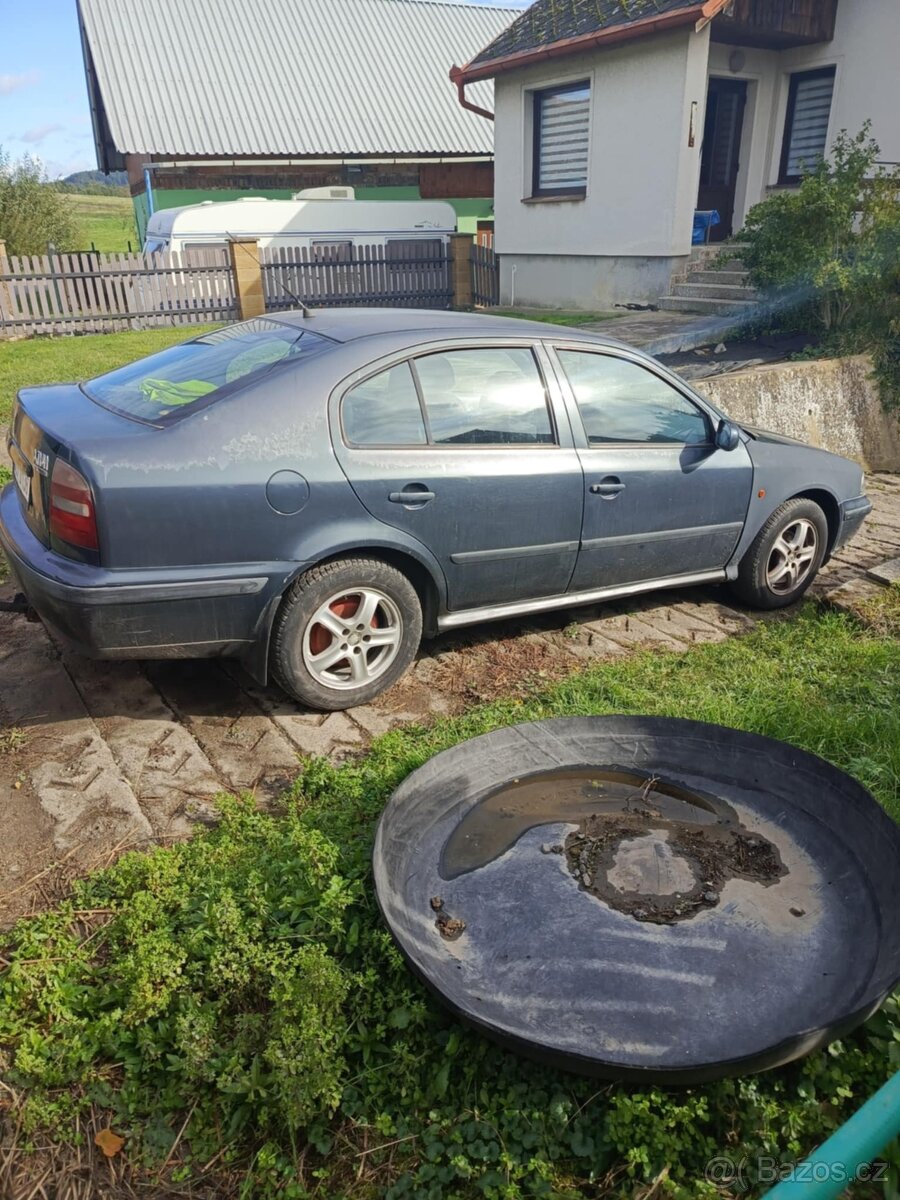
(23, 481)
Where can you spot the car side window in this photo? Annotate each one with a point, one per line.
(384, 410)
(488, 396)
(621, 401)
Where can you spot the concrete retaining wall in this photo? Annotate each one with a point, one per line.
(832, 403)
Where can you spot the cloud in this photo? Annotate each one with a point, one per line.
(12, 83)
(39, 132)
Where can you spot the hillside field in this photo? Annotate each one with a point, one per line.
(106, 221)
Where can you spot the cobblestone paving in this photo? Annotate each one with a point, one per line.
(115, 754)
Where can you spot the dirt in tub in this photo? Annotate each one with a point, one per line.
(642, 845)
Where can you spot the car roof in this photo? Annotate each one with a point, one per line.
(350, 324)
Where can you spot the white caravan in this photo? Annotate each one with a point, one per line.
(330, 219)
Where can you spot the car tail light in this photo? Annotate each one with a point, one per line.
(72, 515)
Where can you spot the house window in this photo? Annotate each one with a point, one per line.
(561, 121)
(806, 123)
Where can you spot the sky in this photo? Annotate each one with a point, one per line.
(43, 98)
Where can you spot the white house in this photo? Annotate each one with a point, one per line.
(616, 119)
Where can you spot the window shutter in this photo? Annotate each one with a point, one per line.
(808, 133)
(561, 152)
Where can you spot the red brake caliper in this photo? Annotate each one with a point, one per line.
(345, 608)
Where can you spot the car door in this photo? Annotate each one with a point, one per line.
(469, 450)
(661, 500)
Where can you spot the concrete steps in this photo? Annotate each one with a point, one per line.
(737, 278)
(713, 291)
(715, 250)
(701, 304)
(715, 282)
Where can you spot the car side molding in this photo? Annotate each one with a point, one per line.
(516, 608)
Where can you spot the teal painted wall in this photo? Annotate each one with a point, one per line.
(468, 212)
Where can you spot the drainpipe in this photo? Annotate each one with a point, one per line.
(842, 1159)
(458, 76)
(148, 188)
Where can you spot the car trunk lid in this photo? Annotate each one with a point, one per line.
(47, 423)
(32, 453)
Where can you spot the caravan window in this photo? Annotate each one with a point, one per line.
(332, 252)
(204, 246)
(400, 250)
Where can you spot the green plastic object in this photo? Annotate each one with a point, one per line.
(174, 395)
(843, 1159)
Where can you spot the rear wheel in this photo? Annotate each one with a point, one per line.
(346, 632)
(785, 556)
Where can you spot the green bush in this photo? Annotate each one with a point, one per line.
(33, 210)
(828, 255)
(242, 986)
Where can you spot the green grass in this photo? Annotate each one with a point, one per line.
(239, 994)
(105, 221)
(882, 612)
(73, 359)
(555, 316)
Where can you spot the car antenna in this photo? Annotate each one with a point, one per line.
(304, 308)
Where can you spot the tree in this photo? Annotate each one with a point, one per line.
(33, 210)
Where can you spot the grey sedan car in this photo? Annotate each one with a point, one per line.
(313, 493)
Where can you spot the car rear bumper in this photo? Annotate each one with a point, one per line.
(175, 612)
(853, 513)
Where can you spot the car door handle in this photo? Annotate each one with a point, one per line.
(608, 488)
(412, 495)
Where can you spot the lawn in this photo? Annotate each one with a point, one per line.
(65, 359)
(555, 316)
(234, 1009)
(106, 222)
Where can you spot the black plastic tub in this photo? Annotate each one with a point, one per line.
(643, 898)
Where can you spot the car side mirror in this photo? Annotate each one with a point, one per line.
(728, 436)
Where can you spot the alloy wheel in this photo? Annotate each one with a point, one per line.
(352, 638)
(792, 557)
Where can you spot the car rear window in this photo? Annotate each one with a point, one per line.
(168, 385)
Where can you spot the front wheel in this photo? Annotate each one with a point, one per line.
(785, 556)
(345, 632)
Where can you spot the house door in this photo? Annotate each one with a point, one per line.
(721, 154)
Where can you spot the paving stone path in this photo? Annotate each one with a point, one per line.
(116, 754)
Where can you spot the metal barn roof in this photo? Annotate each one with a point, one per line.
(238, 78)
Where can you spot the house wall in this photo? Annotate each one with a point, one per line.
(622, 240)
(867, 87)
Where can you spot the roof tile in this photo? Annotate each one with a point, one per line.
(550, 21)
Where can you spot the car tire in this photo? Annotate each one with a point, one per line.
(346, 631)
(784, 557)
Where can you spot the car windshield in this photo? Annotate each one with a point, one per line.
(169, 384)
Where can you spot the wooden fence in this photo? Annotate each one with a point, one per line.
(485, 276)
(100, 293)
(403, 275)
